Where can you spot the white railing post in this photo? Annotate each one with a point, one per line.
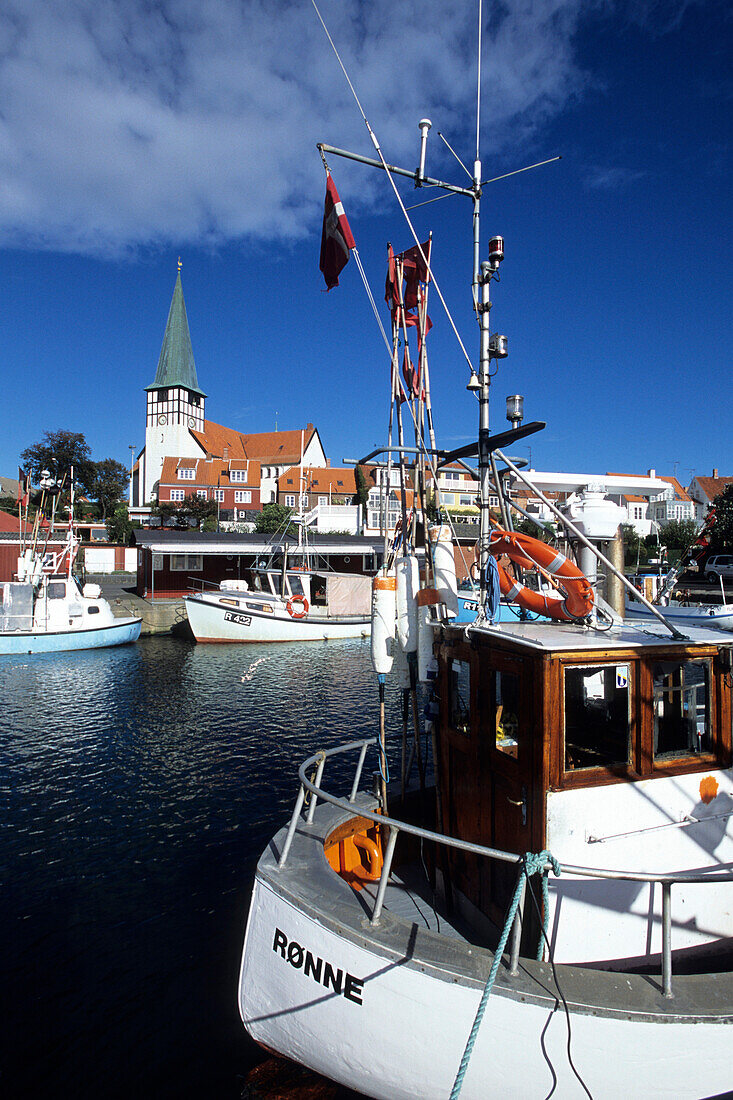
(667, 939)
(357, 773)
(317, 783)
(386, 870)
(292, 826)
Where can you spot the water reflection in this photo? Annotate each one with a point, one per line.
(137, 788)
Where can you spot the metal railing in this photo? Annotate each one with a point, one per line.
(395, 827)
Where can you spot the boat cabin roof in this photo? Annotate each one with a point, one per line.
(556, 637)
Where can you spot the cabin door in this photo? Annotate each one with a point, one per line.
(508, 750)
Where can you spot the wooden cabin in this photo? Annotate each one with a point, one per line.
(611, 750)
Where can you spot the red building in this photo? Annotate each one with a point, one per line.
(233, 484)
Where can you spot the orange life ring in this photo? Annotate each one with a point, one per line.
(303, 604)
(530, 553)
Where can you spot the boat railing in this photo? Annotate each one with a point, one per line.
(311, 788)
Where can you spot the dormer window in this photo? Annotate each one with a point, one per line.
(238, 475)
(186, 473)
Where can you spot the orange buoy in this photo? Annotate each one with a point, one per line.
(530, 553)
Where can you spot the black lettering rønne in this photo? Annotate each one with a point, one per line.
(313, 967)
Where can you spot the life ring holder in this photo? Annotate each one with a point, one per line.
(302, 603)
(530, 553)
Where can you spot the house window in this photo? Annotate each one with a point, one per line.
(323, 500)
(219, 495)
(290, 500)
(597, 718)
(242, 496)
(186, 473)
(238, 475)
(178, 494)
(186, 563)
(201, 494)
(681, 708)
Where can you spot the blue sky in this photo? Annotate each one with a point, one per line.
(133, 132)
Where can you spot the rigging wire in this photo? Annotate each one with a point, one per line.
(390, 177)
(551, 957)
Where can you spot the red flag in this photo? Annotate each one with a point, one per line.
(23, 482)
(336, 238)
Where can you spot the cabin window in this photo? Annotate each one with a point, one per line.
(506, 702)
(296, 585)
(56, 590)
(681, 708)
(460, 696)
(597, 717)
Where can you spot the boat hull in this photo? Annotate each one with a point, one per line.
(388, 1010)
(121, 632)
(717, 616)
(211, 621)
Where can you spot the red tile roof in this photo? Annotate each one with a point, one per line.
(275, 447)
(212, 472)
(712, 486)
(319, 479)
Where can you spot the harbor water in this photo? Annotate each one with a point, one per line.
(138, 786)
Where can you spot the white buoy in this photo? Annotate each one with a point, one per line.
(401, 668)
(384, 609)
(444, 565)
(408, 582)
(428, 600)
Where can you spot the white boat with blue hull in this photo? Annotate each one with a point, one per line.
(54, 614)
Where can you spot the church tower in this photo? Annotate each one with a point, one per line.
(175, 404)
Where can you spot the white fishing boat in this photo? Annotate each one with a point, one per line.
(45, 610)
(549, 912)
(283, 605)
(661, 589)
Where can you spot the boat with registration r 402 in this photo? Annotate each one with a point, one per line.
(540, 901)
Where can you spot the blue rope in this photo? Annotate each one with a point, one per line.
(531, 865)
(493, 589)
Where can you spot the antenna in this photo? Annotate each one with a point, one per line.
(424, 125)
(478, 82)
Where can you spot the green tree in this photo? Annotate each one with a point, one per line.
(57, 452)
(635, 552)
(361, 495)
(541, 531)
(678, 534)
(119, 526)
(274, 518)
(111, 480)
(191, 512)
(721, 537)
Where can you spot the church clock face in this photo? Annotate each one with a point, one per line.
(162, 419)
(191, 421)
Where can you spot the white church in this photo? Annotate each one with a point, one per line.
(176, 426)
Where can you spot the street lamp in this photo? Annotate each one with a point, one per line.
(131, 447)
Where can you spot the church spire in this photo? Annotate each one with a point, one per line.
(176, 366)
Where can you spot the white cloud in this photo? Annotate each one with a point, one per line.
(126, 123)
